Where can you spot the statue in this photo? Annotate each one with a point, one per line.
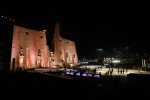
(21, 58)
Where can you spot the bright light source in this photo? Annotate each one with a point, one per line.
(78, 74)
(71, 73)
(116, 61)
(99, 49)
(84, 74)
(97, 76)
(2, 16)
(67, 72)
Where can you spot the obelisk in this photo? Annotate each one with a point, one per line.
(57, 45)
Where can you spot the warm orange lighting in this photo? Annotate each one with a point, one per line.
(43, 62)
(32, 42)
(28, 59)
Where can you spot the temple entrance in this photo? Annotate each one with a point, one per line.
(13, 64)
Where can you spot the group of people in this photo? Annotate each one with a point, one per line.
(122, 71)
(110, 71)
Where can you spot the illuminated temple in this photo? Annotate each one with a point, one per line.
(30, 50)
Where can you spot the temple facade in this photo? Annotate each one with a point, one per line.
(65, 53)
(30, 50)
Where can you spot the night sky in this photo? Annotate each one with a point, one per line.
(94, 25)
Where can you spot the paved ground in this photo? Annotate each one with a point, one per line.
(115, 71)
(98, 70)
(105, 70)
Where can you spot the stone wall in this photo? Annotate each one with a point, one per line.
(64, 50)
(68, 52)
(31, 42)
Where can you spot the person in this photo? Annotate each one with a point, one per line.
(94, 71)
(121, 71)
(112, 69)
(100, 73)
(110, 72)
(85, 68)
(118, 70)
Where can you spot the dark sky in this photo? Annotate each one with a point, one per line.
(94, 25)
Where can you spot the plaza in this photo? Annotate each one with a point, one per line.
(89, 69)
